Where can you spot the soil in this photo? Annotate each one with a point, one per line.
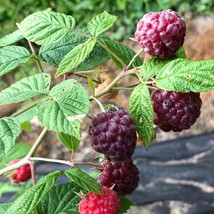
(198, 45)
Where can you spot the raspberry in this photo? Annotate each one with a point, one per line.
(161, 34)
(107, 202)
(21, 174)
(113, 134)
(174, 110)
(123, 176)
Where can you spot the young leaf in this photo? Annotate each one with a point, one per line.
(60, 199)
(75, 57)
(26, 88)
(184, 76)
(122, 51)
(142, 112)
(69, 141)
(66, 104)
(9, 131)
(11, 38)
(83, 180)
(30, 198)
(125, 204)
(91, 83)
(45, 27)
(19, 150)
(101, 23)
(12, 56)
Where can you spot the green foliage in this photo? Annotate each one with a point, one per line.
(83, 180)
(11, 38)
(29, 200)
(12, 56)
(142, 112)
(46, 27)
(9, 131)
(60, 199)
(125, 204)
(66, 104)
(26, 88)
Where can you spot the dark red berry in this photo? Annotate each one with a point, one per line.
(106, 203)
(123, 176)
(161, 34)
(21, 174)
(175, 111)
(113, 134)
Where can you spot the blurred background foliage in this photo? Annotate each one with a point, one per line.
(128, 11)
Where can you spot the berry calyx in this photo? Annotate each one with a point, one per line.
(107, 202)
(113, 133)
(174, 110)
(21, 174)
(123, 176)
(161, 34)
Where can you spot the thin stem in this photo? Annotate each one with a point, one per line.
(122, 88)
(83, 34)
(133, 59)
(111, 52)
(50, 160)
(99, 103)
(32, 169)
(39, 65)
(23, 110)
(37, 143)
(82, 76)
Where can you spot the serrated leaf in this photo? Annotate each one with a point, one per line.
(66, 104)
(125, 204)
(123, 52)
(45, 27)
(26, 88)
(75, 57)
(61, 199)
(19, 150)
(9, 131)
(54, 53)
(12, 56)
(11, 38)
(142, 112)
(31, 197)
(84, 180)
(184, 76)
(69, 141)
(101, 23)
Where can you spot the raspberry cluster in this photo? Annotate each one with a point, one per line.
(161, 34)
(21, 174)
(107, 202)
(174, 110)
(113, 134)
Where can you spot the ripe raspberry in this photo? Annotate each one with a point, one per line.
(124, 176)
(175, 111)
(113, 134)
(161, 34)
(106, 203)
(21, 174)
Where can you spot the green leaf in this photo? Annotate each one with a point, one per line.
(142, 112)
(7, 188)
(66, 104)
(125, 204)
(4, 207)
(101, 23)
(11, 38)
(19, 150)
(12, 56)
(91, 83)
(27, 201)
(69, 141)
(9, 131)
(60, 199)
(75, 57)
(184, 76)
(26, 88)
(45, 27)
(54, 53)
(85, 181)
(122, 51)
